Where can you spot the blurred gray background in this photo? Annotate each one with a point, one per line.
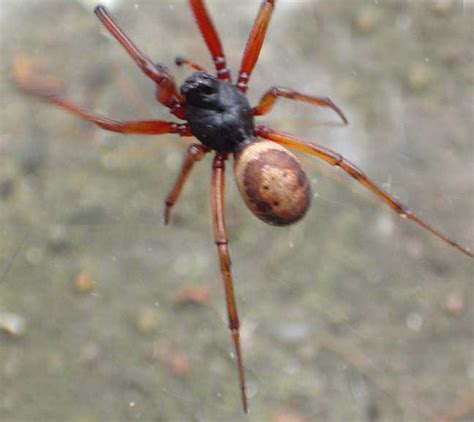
(352, 314)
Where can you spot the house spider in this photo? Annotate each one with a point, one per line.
(270, 179)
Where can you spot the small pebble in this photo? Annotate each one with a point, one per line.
(179, 365)
(173, 359)
(12, 324)
(366, 19)
(90, 354)
(193, 295)
(454, 304)
(414, 321)
(442, 7)
(418, 77)
(147, 321)
(292, 331)
(308, 353)
(287, 415)
(83, 282)
(451, 54)
(57, 238)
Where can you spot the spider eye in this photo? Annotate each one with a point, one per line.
(203, 87)
(199, 84)
(207, 89)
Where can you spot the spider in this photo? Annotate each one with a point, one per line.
(270, 179)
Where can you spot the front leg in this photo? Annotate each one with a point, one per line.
(30, 81)
(254, 44)
(167, 91)
(269, 98)
(211, 38)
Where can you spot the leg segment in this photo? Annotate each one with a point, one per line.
(180, 61)
(31, 82)
(220, 238)
(194, 154)
(211, 38)
(335, 159)
(268, 100)
(254, 43)
(144, 127)
(167, 92)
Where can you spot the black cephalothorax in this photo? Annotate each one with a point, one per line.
(218, 114)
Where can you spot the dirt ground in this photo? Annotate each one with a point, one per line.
(353, 314)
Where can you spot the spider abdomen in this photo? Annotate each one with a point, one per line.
(272, 183)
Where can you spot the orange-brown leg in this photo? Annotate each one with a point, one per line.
(29, 80)
(220, 238)
(254, 43)
(180, 61)
(268, 100)
(211, 38)
(167, 91)
(194, 154)
(338, 160)
(144, 127)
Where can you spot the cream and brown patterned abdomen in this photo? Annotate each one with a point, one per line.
(272, 183)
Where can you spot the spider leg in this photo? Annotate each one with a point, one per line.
(167, 91)
(220, 238)
(194, 154)
(269, 98)
(254, 43)
(144, 127)
(338, 160)
(180, 61)
(209, 33)
(30, 81)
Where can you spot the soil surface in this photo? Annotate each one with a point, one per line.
(353, 314)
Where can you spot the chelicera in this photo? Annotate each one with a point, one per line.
(270, 179)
